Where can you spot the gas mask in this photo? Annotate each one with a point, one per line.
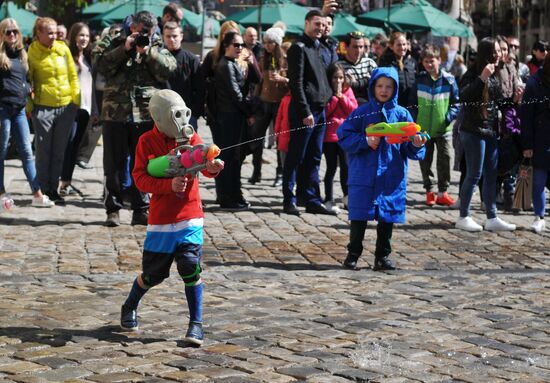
(171, 115)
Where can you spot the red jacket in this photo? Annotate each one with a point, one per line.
(337, 110)
(282, 124)
(165, 206)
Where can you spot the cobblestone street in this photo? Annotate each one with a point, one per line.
(279, 307)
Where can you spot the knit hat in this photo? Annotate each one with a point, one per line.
(274, 34)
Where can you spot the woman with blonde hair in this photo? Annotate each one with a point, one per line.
(14, 91)
(54, 79)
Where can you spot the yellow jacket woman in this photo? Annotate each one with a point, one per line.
(53, 75)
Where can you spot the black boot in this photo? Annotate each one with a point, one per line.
(256, 177)
(351, 261)
(278, 180)
(383, 263)
(508, 201)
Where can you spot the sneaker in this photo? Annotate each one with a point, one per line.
(383, 263)
(69, 190)
(444, 199)
(84, 165)
(430, 198)
(128, 319)
(332, 206)
(497, 224)
(195, 334)
(139, 217)
(456, 205)
(113, 219)
(538, 225)
(42, 201)
(351, 261)
(468, 224)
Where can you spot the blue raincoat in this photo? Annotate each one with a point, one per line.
(377, 178)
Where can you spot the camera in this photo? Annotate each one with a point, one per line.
(142, 40)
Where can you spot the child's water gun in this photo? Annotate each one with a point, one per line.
(395, 132)
(182, 160)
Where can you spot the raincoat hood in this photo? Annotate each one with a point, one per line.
(389, 72)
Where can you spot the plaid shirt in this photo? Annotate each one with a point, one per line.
(360, 74)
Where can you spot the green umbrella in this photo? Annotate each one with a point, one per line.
(415, 16)
(102, 6)
(127, 8)
(345, 23)
(194, 21)
(272, 11)
(24, 18)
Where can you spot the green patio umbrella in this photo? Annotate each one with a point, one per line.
(272, 11)
(345, 23)
(24, 18)
(194, 20)
(126, 8)
(102, 7)
(415, 16)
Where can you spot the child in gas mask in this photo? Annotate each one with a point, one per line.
(175, 225)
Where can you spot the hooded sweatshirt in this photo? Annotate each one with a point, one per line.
(377, 179)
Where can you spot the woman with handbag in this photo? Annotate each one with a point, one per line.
(481, 92)
(273, 88)
(535, 137)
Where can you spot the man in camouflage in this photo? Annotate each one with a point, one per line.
(135, 65)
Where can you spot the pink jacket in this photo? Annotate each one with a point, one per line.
(337, 110)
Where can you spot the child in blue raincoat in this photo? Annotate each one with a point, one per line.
(377, 171)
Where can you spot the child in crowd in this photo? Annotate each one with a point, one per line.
(377, 170)
(175, 223)
(435, 100)
(340, 105)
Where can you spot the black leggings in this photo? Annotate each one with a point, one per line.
(334, 155)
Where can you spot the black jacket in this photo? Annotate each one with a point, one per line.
(535, 114)
(309, 85)
(230, 87)
(188, 81)
(407, 75)
(471, 94)
(14, 88)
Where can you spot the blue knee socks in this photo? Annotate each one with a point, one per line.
(194, 301)
(136, 293)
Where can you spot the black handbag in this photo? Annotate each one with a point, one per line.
(509, 153)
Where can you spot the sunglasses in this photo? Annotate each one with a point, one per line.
(514, 46)
(10, 31)
(237, 45)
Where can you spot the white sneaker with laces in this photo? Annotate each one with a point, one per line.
(332, 206)
(42, 201)
(468, 224)
(497, 224)
(538, 225)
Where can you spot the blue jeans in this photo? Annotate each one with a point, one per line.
(481, 154)
(305, 150)
(540, 177)
(15, 121)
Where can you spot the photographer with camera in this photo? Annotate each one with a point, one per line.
(135, 65)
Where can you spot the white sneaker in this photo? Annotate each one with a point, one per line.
(42, 201)
(332, 206)
(538, 225)
(497, 224)
(468, 224)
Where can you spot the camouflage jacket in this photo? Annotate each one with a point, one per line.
(130, 80)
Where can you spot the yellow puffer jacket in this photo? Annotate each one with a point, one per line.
(53, 75)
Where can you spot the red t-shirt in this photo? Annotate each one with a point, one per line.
(166, 206)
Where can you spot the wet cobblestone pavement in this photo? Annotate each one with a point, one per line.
(462, 307)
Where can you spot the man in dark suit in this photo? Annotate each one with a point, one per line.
(310, 91)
